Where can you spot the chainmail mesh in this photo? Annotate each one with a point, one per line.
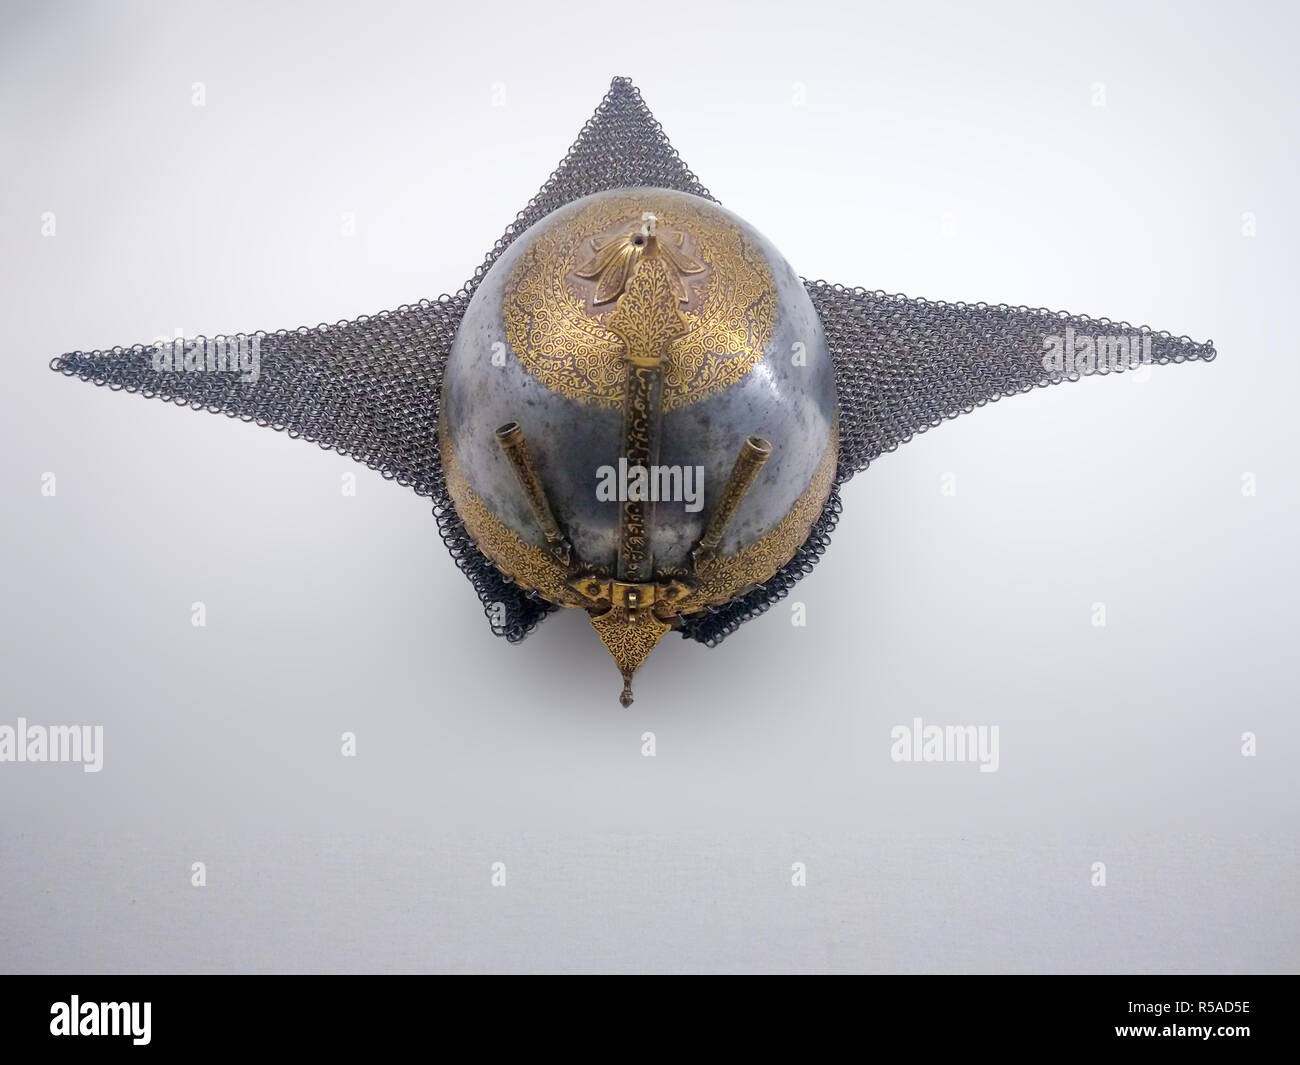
(370, 388)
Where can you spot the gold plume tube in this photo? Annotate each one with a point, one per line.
(511, 438)
(754, 452)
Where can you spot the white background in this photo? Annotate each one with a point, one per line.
(949, 151)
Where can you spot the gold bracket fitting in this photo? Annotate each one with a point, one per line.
(630, 619)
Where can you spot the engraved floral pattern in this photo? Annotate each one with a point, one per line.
(564, 339)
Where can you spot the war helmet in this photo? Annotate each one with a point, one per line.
(638, 415)
(630, 406)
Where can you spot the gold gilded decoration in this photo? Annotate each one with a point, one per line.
(719, 581)
(528, 565)
(563, 336)
(647, 321)
(640, 420)
(630, 618)
(630, 627)
(616, 258)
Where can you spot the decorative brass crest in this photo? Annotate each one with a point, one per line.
(616, 258)
(557, 300)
